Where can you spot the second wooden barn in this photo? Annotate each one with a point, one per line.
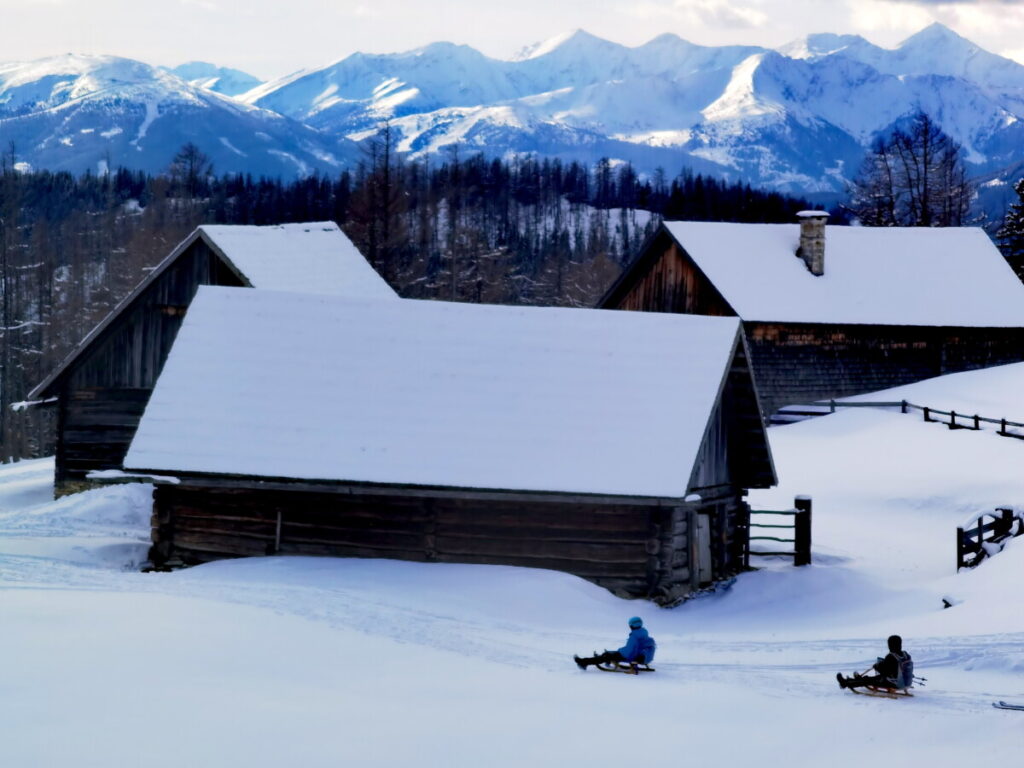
(554, 438)
(836, 313)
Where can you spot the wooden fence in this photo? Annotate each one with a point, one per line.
(971, 541)
(799, 523)
(951, 419)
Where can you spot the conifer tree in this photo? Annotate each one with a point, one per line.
(1011, 235)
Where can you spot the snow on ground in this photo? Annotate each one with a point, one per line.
(317, 662)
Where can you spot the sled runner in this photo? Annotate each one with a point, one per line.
(883, 693)
(1008, 705)
(626, 667)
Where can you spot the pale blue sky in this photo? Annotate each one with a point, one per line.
(270, 38)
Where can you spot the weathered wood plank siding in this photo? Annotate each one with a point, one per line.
(673, 283)
(104, 395)
(635, 550)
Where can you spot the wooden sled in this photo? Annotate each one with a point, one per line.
(883, 693)
(625, 667)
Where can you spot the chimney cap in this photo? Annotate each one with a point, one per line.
(813, 215)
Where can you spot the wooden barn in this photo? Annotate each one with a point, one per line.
(102, 387)
(836, 311)
(554, 438)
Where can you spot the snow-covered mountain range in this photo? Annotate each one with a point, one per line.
(91, 113)
(797, 119)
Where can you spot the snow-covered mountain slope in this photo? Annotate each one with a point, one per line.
(83, 113)
(230, 82)
(799, 118)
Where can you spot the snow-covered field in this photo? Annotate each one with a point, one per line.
(317, 662)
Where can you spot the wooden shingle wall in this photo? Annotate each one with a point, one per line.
(801, 363)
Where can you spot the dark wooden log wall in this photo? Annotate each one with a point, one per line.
(635, 550)
(799, 363)
(103, 396)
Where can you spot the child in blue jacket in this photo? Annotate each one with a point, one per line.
(639, 647)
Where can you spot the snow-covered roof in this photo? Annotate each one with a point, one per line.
(885, 275)
(284, 385)
(311, 258)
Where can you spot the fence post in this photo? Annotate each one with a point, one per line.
(802, 531)
(1005, 522)
(903, 406)
(977, 421)
(745, 522)
(1002, 427)
(691, 536)
(959, 548)
(926, 410)
(952, 419)
(832, 406)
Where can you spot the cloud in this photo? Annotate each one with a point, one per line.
(700, 13)
(959, 2)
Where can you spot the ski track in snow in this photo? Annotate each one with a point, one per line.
(516, 646)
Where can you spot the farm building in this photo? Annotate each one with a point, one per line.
(833, 313)
(431, 431)
(102, 387)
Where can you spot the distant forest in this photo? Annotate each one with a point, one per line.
(464, 229)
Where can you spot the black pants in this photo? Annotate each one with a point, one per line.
(610, 656)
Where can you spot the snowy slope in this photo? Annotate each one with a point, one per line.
(322, 662)
(95, 112)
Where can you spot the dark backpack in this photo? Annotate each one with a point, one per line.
(905, 670)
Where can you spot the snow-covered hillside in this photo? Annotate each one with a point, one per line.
(91, 113)
(322, 662)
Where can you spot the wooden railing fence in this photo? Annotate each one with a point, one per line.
(983, 538)
(955, 420)
(799, 523)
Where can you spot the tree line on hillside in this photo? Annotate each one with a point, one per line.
(463, 228)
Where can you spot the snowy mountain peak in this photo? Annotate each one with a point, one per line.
(937, 34)
(230, 82)
(822, 44)
(576, 40)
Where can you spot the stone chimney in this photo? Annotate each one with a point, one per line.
(812, 240)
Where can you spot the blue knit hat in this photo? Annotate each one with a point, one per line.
(636, 622)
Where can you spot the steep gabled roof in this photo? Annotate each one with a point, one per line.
(314, 258)
(276, 385)
(878, 276)
(309, 258)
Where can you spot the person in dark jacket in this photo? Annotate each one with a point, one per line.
(639, 647)
(887, 669)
